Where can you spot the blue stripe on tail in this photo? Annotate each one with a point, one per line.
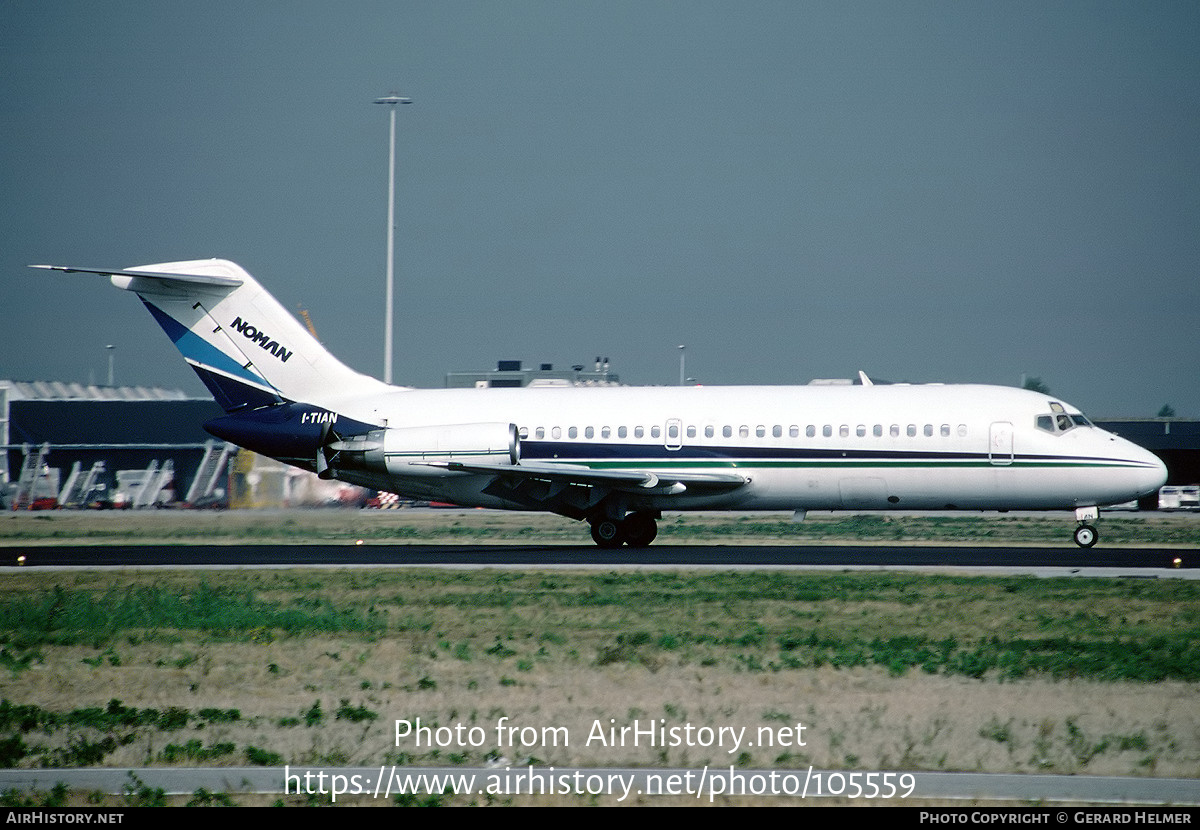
(221, 374)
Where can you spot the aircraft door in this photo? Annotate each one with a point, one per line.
(673, 434)
(1000, 443)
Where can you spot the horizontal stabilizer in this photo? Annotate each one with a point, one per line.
(185, 279)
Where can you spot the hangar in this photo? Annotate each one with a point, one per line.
(64, 427)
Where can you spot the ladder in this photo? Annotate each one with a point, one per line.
(155, 479)
(75, 493)
(140, 482)
(65, 495)
(30, 471)
(209, 471)
(91, 484)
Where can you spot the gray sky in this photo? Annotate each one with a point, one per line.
(928, 191)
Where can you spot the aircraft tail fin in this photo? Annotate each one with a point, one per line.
(242, 343)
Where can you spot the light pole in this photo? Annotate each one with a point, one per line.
(110, 348)
(391, 100)
(682, 375)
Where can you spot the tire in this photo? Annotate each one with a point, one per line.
(640, 530)
(607, 534)
(1085, 536)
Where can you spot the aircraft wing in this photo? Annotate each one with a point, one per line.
(666, 482)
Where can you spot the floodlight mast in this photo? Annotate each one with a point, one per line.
(389, 301)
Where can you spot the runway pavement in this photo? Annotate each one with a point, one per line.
(796, 784)
(1139, 562)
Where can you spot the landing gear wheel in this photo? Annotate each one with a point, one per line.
(640, 530)
(1085, 536)
(607, 534)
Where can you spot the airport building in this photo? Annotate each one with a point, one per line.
(101, 440)
(510, 373)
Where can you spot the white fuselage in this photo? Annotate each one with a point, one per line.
(916, 447)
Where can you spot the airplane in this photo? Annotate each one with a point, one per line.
(617, 457)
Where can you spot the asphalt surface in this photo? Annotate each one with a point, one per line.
(1135, 561)
(701, 785)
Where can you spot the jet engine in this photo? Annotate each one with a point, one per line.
(411, 450)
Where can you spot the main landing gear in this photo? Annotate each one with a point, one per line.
(1085, 534)
(636, 530)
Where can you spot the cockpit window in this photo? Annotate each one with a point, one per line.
(1061, 420)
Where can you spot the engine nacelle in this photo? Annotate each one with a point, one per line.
(409, 450)
(406, 450)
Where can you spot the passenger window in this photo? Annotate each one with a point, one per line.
(744, 431)
(588, 432)
(777, 431)
(962, 430)
(673, 431)
(691, 432)
(794, 431)
(523, 433)
(727, 431)
(929, 430)
(541, 433)
(844, 431)
(827, 430)
(810, 431)
(760, 431)
(605, 432)
(556, 432)
(945, 430)
(573, 432)
(709, 431)
(877, 430)
(861, 430)
(912, 430)
(894, 430)
(638, 432)
(622, 432)
(655, 432)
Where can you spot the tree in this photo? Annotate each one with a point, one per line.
(1167, 411)
(1036, 385)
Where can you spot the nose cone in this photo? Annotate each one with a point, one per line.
(1148, 472)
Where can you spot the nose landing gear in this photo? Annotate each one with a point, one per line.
(1085, 534)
